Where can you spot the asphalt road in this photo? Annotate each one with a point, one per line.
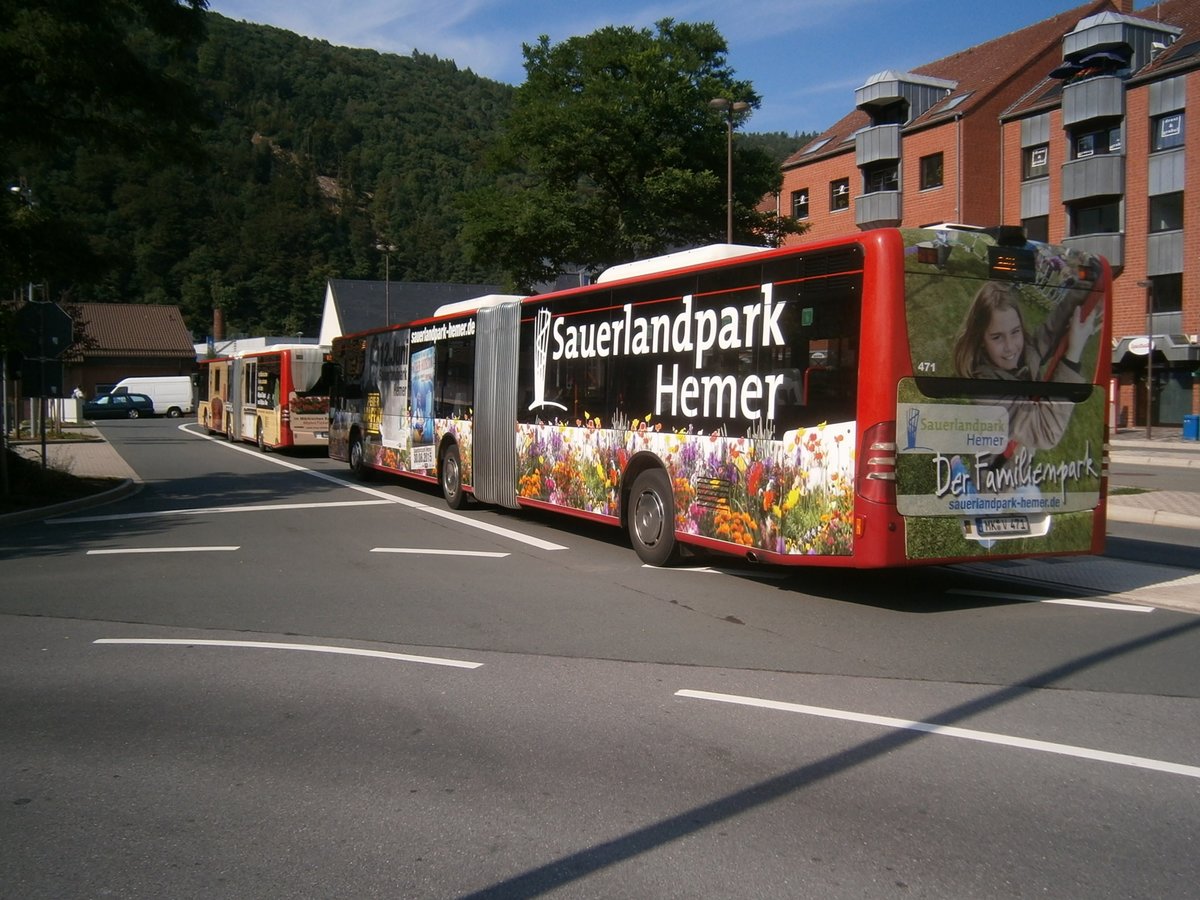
(258, 678)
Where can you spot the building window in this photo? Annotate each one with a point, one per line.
(1166, 131)
(1168, 292)
(1097, 142)
(931, 171)
(800, 204)
(1035, 162)
(1166, 212)
(881, 178)
(1096, 218)
(839, 194)
(892, 114)
(1037, 228)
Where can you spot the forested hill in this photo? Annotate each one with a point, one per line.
(315, 154)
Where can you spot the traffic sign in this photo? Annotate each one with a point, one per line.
(46, 329)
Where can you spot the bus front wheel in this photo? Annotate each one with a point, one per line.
(652, 519)
(259, 439)
(450, 478)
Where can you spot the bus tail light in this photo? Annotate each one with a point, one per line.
(877, 464)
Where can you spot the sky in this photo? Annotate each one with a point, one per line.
(805, 58)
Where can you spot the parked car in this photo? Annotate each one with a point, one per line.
(173, 395)
(118, 406)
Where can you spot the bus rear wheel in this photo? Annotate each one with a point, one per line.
(259, 439)
(450, 478)
(652, 519)
(358, 459)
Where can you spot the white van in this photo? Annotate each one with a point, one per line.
(173, 395)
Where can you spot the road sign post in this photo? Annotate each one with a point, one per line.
(46, 331)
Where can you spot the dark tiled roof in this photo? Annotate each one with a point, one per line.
(978, 72)
(141, 330)
(1184, 53)
(364, 304)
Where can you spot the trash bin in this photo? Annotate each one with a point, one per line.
(1191, 428)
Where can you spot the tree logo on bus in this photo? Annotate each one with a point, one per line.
(541, 347)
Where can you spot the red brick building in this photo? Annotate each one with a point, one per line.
(1096, 156)
(1011, 131)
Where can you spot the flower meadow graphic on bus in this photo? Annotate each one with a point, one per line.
(793, 496)
(996, 430)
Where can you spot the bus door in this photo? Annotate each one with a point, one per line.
(248, 387)
(233, 400)
(494, 454)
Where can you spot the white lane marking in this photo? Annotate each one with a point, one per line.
(310, 648)
(488, 527)
(417, 551)
(1064, 601)
(709, 570)
(215, 510)
(987, 737)
(400, 501)
(159, 550)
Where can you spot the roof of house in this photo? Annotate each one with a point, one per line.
(977, 73)
(369, 304)
(1181, 55)
(142, 330)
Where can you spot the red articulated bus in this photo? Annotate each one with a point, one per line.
(891, 398)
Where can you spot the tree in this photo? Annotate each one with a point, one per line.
(611, 152)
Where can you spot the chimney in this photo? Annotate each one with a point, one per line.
(218, 324)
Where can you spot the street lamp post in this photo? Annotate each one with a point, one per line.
(731, 108)
(1149, 286)
(387, 250)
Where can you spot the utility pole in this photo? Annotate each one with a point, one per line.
(1149, 286)
(730, 107)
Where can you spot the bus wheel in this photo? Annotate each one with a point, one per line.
(258, 437)
(651, 518)
(229, 430)
(450, 478)
(358, 461)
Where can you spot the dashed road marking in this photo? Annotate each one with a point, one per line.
(309, 648)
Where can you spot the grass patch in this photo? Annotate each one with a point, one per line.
(30, 486)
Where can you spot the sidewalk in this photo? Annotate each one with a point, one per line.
(1166, 447)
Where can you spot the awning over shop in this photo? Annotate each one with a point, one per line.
(1174, 348)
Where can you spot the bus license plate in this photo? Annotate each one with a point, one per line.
(999, 526)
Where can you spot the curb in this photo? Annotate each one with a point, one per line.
(1142, 459)
(126, 488)
(1161, 517)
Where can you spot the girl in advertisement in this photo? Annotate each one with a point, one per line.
(994, 342)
